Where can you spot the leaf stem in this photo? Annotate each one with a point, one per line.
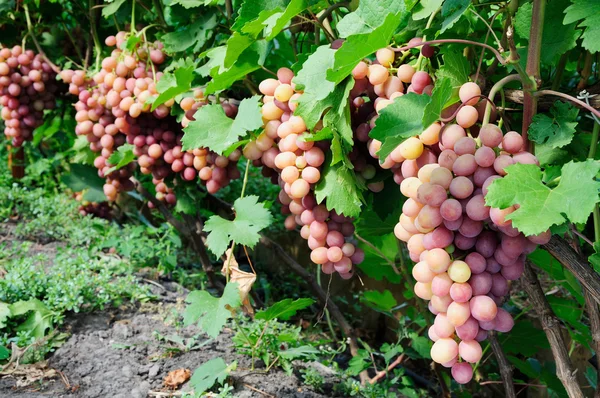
(97, 45)
(132, 27)
(429, 22)
(245, 178)
(327, 316)
(560, 68)
(494, 90)
(55, 68)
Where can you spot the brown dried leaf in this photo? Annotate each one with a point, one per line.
(177, 377)
(245, 280)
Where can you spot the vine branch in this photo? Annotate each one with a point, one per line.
(506, 371)
(551, 325)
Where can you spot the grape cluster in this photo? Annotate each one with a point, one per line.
(94, 209)
(113, 109)
(465, 252)
(375, 88)
(295, 163)
(27, 87)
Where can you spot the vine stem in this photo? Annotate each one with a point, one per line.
(55, 68)
(533, 67)
(132, 27)
(592, 155)
(506, 371)
(457, 41)
(494, 90)
(568, 98)
(429, 22)
(229, 9)
(159, 10)
(551, 325)
(97, 45)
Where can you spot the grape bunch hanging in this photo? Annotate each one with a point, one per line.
(466, 253)
(113, 108)
(27, 87)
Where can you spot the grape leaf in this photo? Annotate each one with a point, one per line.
(425, 8)
(557, 38)
(174, 83)
(587, 12)
(38, 321)
(374, 265)
(357, 47)
(121, 158)
(383, 301)
(284, 309)
(525, 339)
(421, 345)
(187, 4)
(441, 95)
(339, 186)
(452, 10)
(209, 373)
(191, 36)
(250, 218)
(556, 130)
(236, 44)
(398, 121)
(211, 313)
(368, 16)
(4, 314)
(311, 109)
(251, 10)
(312, 78)
(250, 60)
(213, 129)
(85, 178)
(456, 68)
(110, 9)
(541, 207)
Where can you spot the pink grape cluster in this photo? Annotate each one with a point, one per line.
(465, 252)
(113, 109)
(375, 88)
(27, 87)
(297, 162)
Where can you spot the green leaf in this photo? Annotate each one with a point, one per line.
(398, 121)
(357, 47)
(250, 60)
(173, 84)
(557, 38)
(250, 218)
(192, 36)
(368, 16)
(38, 321)
(594, 259)
(211, 313)
(565, 309)
(4, 314)
(213, 129)
(251, 10)
(215, 371)
(558, 273)
(187, 4)
(442, 93)
(456, 68)
(298, 352)
(358, 363)
(587, 12)
(556, 130)
(312, 78)
(524, 339)
(85, 178)
(237, 43)
(425, 8)
(112, 8)
(338, 185)
(311, 109)
(383, 301)
(541, 207)
(284, 309)
(374, 265)
(421, 344)
(4, 353)
(121, 158)
(452, 10)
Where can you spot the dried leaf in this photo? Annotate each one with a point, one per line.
(244, 279)
(177, 377)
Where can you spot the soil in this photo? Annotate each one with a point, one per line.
(119, 353)
(116, 353)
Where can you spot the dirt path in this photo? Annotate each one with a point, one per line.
(117, 354)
